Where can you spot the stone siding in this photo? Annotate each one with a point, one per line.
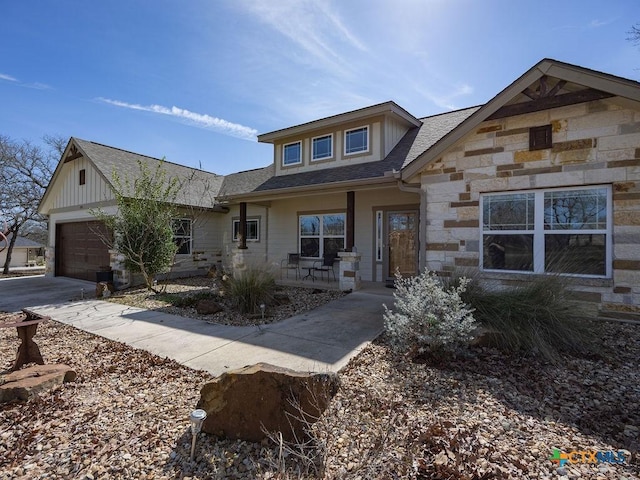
(595, 143)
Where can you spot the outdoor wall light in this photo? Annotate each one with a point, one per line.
(196, 418)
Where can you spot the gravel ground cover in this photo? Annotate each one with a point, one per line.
(301, 298)
(484, 415)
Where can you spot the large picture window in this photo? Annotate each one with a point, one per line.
(182, 235)
(252, 230)
(321, 234)
(559, 231)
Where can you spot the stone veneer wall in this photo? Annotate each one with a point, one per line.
(595, 143)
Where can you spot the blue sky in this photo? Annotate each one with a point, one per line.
(195, 81)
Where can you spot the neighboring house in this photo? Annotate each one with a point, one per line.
(26, 253)
(549, 167)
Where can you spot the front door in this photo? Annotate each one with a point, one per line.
(402, 243)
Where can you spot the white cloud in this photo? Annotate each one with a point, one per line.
(598, 23)
(446, 100)
(312, 26)
(198, 119)
(9, 78)
(38, 86)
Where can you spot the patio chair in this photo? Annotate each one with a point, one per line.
(292, 262)
(325, 265)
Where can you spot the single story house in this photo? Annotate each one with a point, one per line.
(545, 177)
(26, 253)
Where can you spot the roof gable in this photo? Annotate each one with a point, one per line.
(547, 84)
(203, 186)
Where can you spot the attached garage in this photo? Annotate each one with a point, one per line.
(80, 251)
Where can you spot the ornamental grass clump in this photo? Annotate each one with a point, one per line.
(251, 288)
(427, 317)
(541, 317)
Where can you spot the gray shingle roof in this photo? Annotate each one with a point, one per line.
(23, 242)
(415, 142)
(201, 187)
(244, 182)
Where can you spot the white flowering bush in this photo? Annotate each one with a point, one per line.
(428, 317)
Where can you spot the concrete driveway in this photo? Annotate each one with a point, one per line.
(323, 339)
(17, 293)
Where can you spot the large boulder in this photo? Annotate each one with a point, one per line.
(28, 382)
(241, 404)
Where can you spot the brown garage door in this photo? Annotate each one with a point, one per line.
(80, 252)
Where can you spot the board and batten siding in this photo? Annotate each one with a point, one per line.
(393, 132)
(69, 193)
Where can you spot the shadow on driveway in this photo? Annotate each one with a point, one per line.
(321, 339)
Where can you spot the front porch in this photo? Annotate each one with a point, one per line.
(377, 288)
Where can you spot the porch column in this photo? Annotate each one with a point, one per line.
(351, 209)
(243, 226)
(349, 271)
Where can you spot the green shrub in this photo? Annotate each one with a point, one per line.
(428, 317)
(538, 317)
(253, 287)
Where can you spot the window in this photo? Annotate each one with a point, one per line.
(182, 235)
(253, 230)
(559, 231)
(83, 177)
(292, 154)
(540, 137)
(379, 236)
(321, 234)
(356, 140)
(322, 147)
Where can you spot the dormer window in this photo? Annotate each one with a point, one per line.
(292, 154)
(322, 147)
(356, 140)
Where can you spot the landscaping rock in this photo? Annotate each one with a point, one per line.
(28, 382)
(484, 337)
(241, 403)
(280, 299)
(208, 307)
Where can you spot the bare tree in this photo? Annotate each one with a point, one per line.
(634, 34)
(25, 172)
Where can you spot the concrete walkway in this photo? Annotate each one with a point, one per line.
(323, 339)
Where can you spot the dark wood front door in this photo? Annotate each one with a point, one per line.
(402, 243)
(80, 251)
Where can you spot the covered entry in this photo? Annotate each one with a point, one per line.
(80, 251)
(401, 233)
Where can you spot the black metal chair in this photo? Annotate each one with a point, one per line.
(292, 262)
(325, 265)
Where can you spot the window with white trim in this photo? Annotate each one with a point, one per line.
(555, 230)
(292, 153)
(379, 241)
(322, 147)
(252, 230)
(321, 234)
(182, 235)
(356, 140)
